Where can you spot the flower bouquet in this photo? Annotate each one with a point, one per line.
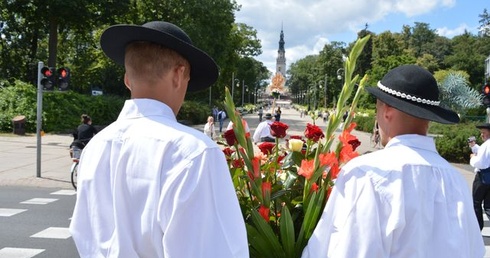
(283, 188)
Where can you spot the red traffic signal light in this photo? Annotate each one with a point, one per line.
(63, 78)
(48, 80)
(486, 89)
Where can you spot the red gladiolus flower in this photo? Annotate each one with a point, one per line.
(307, 168)
(314, 187)
(278, 129)
(230, 137)
(266, 147)
(334, 171)
(266, 189)
(330, 160)
(227, 151)
(256, 167)
(264, 212)
(347, 153)
(313, 132)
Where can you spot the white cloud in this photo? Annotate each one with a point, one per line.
(309, 24)
(449, 33)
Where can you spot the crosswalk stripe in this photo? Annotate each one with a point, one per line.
(11, 252)
(53, 233)
(40, 201)
(4, 212)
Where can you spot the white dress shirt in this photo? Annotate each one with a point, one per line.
(263, 130)
(152, 187)
(482, 159)
(402, 201)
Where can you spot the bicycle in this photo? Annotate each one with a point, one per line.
(375, 140)
(76, 152)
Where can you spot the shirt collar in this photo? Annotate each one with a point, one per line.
(135, 108)
(414, 141)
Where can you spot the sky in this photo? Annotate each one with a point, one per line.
(310, 24)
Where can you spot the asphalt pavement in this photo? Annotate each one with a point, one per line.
(19, 165)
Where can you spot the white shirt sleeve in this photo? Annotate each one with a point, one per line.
(482, 159)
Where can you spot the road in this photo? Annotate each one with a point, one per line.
(35, 222)
(35, 212)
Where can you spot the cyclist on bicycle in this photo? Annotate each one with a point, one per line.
(83, 133)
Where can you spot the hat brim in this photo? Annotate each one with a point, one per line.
(424, 111)
(204, 70)
(485, 126)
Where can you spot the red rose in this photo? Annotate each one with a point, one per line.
(278, 129)
(266, 147)
(313, 132)
(230, 137)
(227, 151)
(299, 137)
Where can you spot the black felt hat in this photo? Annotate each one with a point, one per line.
(268, 116)
(484, 126)
(414, 91)
(204, 70)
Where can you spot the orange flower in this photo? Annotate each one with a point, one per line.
(264, 212)
(330, 160)
(307, 168)
(347, 153)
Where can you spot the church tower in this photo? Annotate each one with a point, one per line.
(281, 56)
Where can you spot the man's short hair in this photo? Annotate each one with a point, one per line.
(149, 61)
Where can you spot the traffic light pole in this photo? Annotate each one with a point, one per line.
(40, 66)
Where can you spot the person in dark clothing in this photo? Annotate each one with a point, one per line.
(84, 132)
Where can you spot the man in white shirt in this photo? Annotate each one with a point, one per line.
(404, 200)
(481, 187)
(263, 131)
(148, 185)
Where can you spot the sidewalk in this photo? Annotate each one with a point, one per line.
(18, 165)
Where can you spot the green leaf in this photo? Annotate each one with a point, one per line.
(268, 236)
(287, 232)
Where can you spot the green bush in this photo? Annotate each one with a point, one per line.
(193, 113)
(62, 110)
(450, 140)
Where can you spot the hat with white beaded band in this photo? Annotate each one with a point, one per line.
(414, 91)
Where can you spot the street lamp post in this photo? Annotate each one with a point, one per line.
(243, 90)
(325, 99)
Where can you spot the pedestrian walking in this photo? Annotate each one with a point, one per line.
(481, 184)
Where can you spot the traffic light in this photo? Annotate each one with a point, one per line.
(48, 80)
(486, 94)
(63, 78)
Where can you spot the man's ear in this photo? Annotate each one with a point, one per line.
(126, 81)
(179, 76)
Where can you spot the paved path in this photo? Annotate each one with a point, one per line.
(18, 165)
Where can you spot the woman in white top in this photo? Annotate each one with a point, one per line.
(209, 129)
